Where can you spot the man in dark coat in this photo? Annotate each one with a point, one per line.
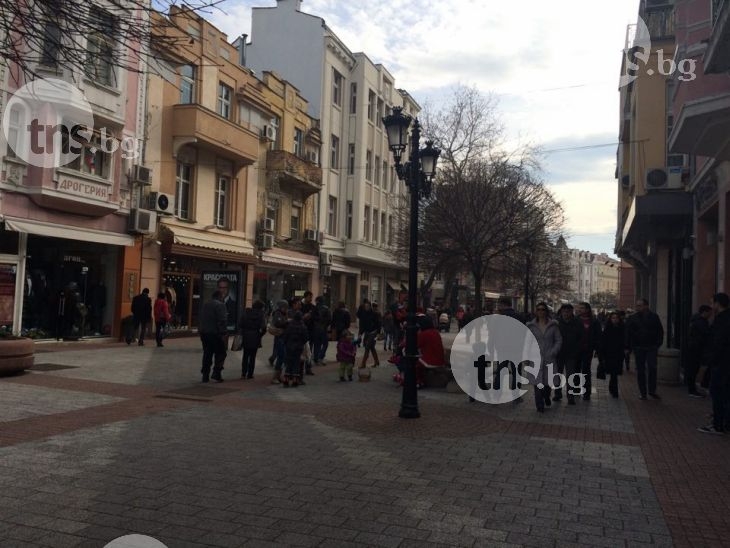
(294, 338)
(720, 361)
(142, 313)
(644, 336)
(252, 326)
(213, 334)
(698, 349)
(571, 331)
(319, 333)
(590, 343)
(310, 316)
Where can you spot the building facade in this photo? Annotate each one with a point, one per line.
(591, 275)
(64, 207)
(349, 94)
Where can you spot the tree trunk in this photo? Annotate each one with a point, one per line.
(477, 295)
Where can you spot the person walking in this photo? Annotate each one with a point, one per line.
(644, 336)
(388, 331)
(341, 320)
(295, 337)
(310, 317)
(699, 345)
(568, 360)
(346, 353)
(720, 362)
(321, 325)
(279, 321)
(162, 316)
(213, 334)
(590, 343)
(142, 314)
(252, 326)
(369, 327)
(547, 334)
(613, 346)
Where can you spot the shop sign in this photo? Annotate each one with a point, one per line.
(228, 283)
(85, 189)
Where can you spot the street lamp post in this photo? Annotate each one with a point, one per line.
(418, 174)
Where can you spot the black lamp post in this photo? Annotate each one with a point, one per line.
(417, 173)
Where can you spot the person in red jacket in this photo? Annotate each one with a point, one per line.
(162, 316)
(430, 347)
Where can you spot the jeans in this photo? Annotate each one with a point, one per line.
(140, 326)
(567, 367)
(279, 352)
(690, 372)
(584, 363)
(646, 359)
(319, 344)
(248, 362)
(213, 346)
(720, 392)
(159, 330)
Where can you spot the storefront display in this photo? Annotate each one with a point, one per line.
(272, 284)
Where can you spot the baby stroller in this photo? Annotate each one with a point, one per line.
(444, 323)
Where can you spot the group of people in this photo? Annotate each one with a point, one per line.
(143, 311)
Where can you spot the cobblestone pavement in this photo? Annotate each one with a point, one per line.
(105, 440)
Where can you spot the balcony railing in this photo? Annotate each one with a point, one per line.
(299, 173)
(660, 22)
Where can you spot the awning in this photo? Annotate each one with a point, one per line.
(210, 245)
(393, 284)
(291, 258)
(53, 230)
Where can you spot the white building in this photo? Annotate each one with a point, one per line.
(349, 94)
(592, 273)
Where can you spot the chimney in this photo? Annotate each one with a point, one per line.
(242, 49)
(296, 4)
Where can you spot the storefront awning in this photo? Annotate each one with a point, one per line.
(393, 284)
(291, 258)
(210, 245)
(53, 230)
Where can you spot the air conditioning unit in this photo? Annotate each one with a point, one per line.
(310, 235)
(664, 178)
(268, 133)
(313, 157)
(267, 224)
(142, 221)
(325, 271)
(141, 174)
(626, 181)
(325, 258)
(162, 203)
(266, 241)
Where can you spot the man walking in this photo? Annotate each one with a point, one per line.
(589, 344)
(720, 361)
(700, 339)
(571, 331)
(142, 314)
(213, 331)
(322, 323)
(644, 336)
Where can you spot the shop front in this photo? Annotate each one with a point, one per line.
(283, 275)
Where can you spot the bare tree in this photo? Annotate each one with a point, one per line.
(49, 37)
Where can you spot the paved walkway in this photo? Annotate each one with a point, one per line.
(105, 440)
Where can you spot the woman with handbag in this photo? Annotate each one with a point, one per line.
(613, 344)
(162, 316)
(252, 327)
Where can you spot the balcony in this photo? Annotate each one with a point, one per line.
(194, 124)
(717, 55)
(703, 128)
(293, 172)
(659, 21)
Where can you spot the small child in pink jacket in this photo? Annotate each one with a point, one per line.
(346, 352)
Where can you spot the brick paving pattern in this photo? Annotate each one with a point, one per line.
(129, 442)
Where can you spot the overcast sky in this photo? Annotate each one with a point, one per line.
(554, 67)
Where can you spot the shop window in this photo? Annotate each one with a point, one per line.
(220, 213)
(100, 46)
(224, 100)
(183, 187)
(187, 84)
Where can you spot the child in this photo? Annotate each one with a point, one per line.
(346, 352)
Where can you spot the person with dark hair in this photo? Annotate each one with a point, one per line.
(547, 333)
(213, 334)
(720, 362)
(568, 360)
(295, 337)
(644, 336)
(319, 333)
(279, 321)
(590, 343)
(310, 317)
(162, 316)
(699, 345)
(142, 314)
(613, 342)
(252, 325)
(369, 327)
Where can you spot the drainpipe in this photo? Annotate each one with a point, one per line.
(242, 49)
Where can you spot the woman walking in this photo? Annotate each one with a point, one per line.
(547, 333)
(613, 345)
(369, 328)
(162, 316)
(295, 337)
(252, 326)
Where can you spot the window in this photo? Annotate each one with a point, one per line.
(387, 87)
(298, 142)
(381, 107)
(182, 190)
(371, 105)
(368, 166)
(14, 132)
(390, 230)
(366, 224)
(335, 152)
(385, 176)
(220, 217)
(337, 83)
(294, 225)
(275, 122)
(100, 47)
(376, 222)
(382, 228)
(187, 84)
(377, 171)
(332, 216)
(348, 224)
(92, 158)
(224, 100)
(351, 159)
(353, 98)
(51, 44)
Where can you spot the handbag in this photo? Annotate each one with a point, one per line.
(275, 331)
(237, 343)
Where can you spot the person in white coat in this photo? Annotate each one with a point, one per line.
(547, 334)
